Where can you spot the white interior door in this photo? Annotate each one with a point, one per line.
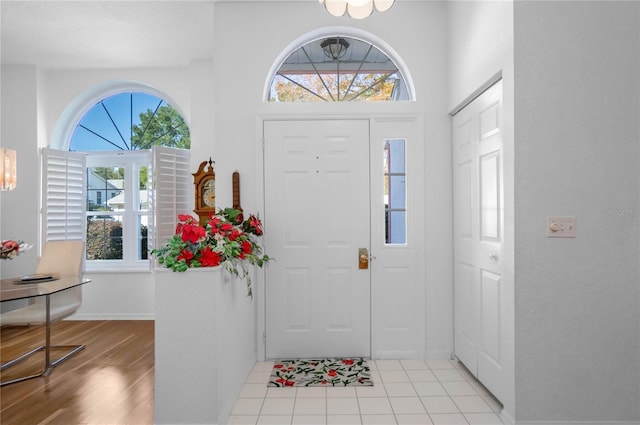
(316, 176)
(478, 239)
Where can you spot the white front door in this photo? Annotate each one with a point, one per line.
(478, 239)
(316, 176)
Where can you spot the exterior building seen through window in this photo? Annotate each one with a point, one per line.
(117, 134)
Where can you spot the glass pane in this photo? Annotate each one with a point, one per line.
(397, 157)
(395, 191)
(104, 237)
(130, 121)
(397, 227)
(105, 189)
(143, 242)
(338, 69)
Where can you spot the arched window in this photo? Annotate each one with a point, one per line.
(130, 121)
(107, 174)
(338, 68)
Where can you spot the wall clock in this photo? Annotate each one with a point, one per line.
(204, 181)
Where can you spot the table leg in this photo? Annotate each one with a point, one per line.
(48, 364)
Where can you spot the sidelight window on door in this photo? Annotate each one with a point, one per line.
(395, 193)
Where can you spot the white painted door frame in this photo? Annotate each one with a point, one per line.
(390, 338)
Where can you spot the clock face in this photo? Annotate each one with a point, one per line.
(209, 197)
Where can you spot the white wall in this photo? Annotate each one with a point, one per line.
(19, 208)
(245, 51)
(37, 100)
(480, 44)
(577, 77)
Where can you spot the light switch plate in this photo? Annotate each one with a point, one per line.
(561, 227)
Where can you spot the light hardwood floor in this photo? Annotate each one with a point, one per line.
(110, 382)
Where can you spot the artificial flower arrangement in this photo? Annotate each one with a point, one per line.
(226, 240)
(11, 249)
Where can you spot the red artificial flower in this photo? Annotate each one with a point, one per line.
(246, 247)
(10, 246)
(347, 362)
(186, 255)
(255, 223)
(209, 258)
(235, 234)
(193, 233)
(226, 227)
(214, 223)
(188, 219)
(189, 229)
(332, 373)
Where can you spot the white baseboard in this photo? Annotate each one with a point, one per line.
(394, 355)
(438, 355)
(112, 317)
(577, 423)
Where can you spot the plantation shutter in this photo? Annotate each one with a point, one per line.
(172, 190)
(63, 203)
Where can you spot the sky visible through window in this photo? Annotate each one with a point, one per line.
(107, 126)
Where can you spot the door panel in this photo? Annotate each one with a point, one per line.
(317, 210)
(478, 239)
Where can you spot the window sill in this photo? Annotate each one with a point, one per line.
(119, 270)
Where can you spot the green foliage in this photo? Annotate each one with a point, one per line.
(110, 173)
(104, 240)
(165, 128)
(226, 240)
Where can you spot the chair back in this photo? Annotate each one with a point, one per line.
(64, 258)
(61, 258)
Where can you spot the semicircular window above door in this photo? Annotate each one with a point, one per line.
(338, 69)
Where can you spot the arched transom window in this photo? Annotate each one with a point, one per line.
(338, 69)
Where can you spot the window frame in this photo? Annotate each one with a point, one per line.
(340, 31)
(132, 162)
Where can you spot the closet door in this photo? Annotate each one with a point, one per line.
(478, 239)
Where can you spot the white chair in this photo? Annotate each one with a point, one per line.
(59, 258)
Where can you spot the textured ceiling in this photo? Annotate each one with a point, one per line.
(105, 34)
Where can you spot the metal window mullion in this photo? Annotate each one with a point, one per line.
(358, 71)
(303, 87)
(315, 69)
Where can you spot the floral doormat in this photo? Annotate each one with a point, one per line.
(320, 372)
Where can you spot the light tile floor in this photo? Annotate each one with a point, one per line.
(405, 392)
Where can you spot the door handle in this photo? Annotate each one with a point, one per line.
(493, 256)
(363, 258)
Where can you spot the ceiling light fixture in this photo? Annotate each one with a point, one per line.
(334, 48)
(357, 9)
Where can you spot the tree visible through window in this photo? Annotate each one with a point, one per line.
(338, 69)
(117, 134)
